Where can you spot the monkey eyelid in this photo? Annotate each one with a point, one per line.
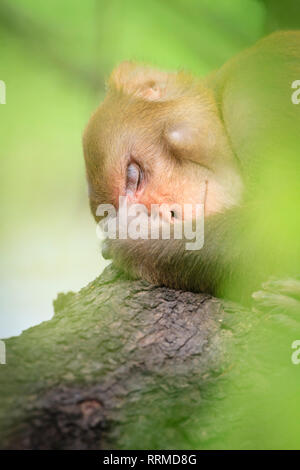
(134, 176)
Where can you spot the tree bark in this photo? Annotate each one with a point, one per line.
(123, 364)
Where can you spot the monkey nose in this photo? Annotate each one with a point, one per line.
(105, 250)
(169, 214)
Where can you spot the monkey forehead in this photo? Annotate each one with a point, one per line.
(130, 110)
(124, 125)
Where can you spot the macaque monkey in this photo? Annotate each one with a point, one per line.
(160, 137)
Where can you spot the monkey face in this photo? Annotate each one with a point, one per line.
(157, 139)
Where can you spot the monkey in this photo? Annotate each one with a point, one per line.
(158, 137)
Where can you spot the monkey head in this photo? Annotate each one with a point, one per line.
(158, 138)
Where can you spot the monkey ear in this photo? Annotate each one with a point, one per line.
(183, 138)
(182, 135)
(190, 139)
(138, 80)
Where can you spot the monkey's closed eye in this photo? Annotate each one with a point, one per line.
(133, 178)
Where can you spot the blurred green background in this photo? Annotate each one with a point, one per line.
(54, 59)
